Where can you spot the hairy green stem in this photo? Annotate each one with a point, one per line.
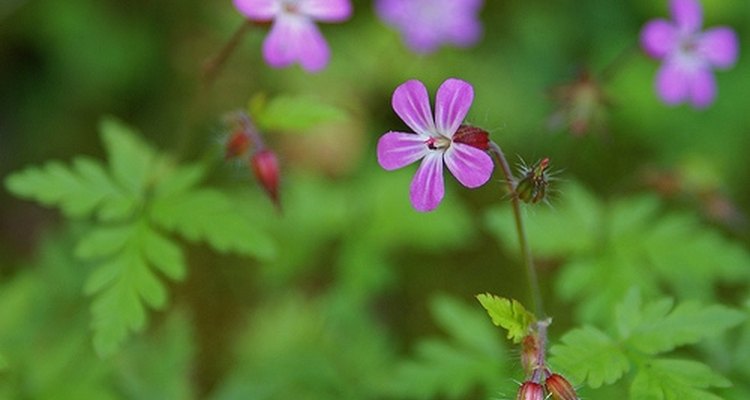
(528, 262)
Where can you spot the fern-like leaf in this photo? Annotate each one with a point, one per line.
(124, 280)
(668, 379)
(212, 216)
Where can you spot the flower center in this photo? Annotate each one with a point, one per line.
(438, 143)
(290, 6)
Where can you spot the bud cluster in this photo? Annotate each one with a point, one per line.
(541, 383)
(246, 141)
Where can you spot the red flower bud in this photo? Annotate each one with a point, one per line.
(472, 136)
(237, 145)
(265, 166)
(530, 391)
(560, 388)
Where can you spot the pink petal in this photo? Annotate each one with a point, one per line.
(327, 10)
(719, 46)
(427, 188)
(411, 103)
(398, 149)
(295, 38)
(659, 38)
(454, 98)
(258, 10)
(687, 14)
(471, 166)
(702, 88)
(313, 52)
(672, 83)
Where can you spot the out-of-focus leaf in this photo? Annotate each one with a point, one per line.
(78, 190)
(160, 366)
(657, 328)
(295, 114)
(130, 159)
(212, 216)
(123, 280)
(509, 314)
(666, 379)
(472, 357)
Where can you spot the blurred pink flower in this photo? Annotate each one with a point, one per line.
(437, 140)
(689, 54)
(294, 37)
(426, 24)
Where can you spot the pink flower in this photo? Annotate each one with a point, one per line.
(689, 54)
(427, 24)
(437, 140)
(294, 37)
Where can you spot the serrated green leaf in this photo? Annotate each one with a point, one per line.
(509, 314)
(667, 379)
(589, 355)
(123, 281)
(78, 190)
(180, 180)
(296, 114)
(212, 216)
(164, 254)
(659, 331)
(130, 159)
(104, 241)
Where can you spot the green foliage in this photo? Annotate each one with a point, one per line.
(139, 196)
(613, 247)
(509, 314)
(472, 357)
(44, 307)
(643, 332)
(293, 113)
(589, 355)
(300, 348)
(665, 379)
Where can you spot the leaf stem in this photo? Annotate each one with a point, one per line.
(531, 275)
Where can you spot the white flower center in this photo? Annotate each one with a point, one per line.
(438, 143)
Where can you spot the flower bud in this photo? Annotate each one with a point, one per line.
(237, 145)
(530, 353)
(560, 388)
(530, 391)
(582, 106)
(472, 136)
(532, 188)
(265, 166)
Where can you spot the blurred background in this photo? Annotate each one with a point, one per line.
(360, 279)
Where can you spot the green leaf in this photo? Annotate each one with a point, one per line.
(214, 217)
(509, 314)
(288, 113)
(471, 357)
(653, 329)
(589, 355)
(123, 280)
(130, 159)
(78, 190)
(667, 379)
(3, 362)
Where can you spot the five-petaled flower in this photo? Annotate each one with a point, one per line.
(688, 53)
(294, 37)
(426, 24)
(437, 140)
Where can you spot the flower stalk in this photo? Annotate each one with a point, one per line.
(213, 66)
(528, 262)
